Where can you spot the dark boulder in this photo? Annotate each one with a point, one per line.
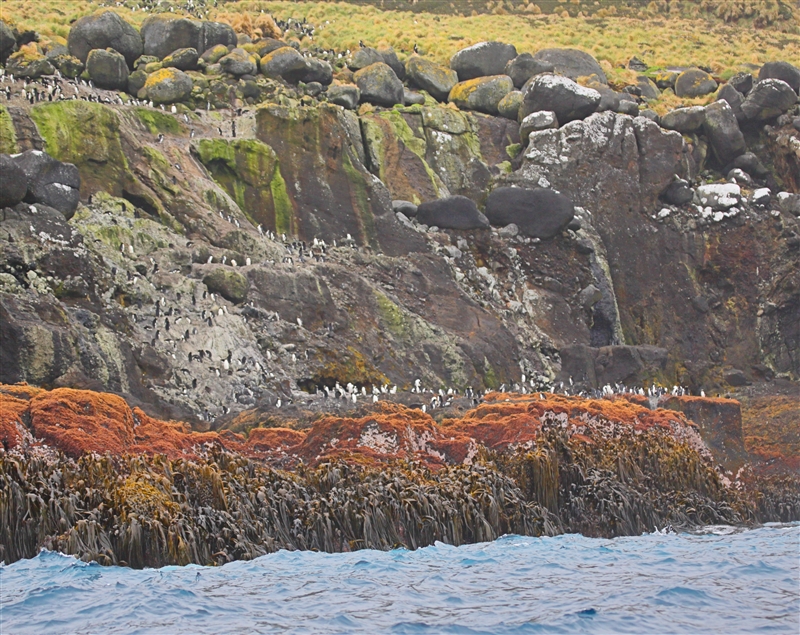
(768, 99)
(684, 120)
(216, 53)
(482, 60)
(108, 69)
(344, 95)
(784, 71)
(363, 57)
(318, 71)
(524, 66)
(184, 59)
(238, 62)
(162, 34)
(429, 76)
(571, 63)
(567, 99)
(13, 183)
(285, 63)
(750, 163)
(453, 212)
(734, 98)
(49, 181)
(379, 85)
(678, 192)
(407, 208)
(412, 98)
(508, 106)
(267, 45)
(647, 88)
(723, 133)
(8, 43)
(390, 59)
(540, 213)
(103, 30)
(742, 82)
(694, 82)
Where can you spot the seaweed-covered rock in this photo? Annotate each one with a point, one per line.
(567, 99)
(13, 184)
(379, 85)
(104, 30)
(453, 212)
(184, 59)
(784, 71)
(482, 60)
(167, 86)
(540, 213)
(108, 69)
(571, 63)
(525, 66)
(694, 82)
(230, 284)
(238, 62)
(767, 99)
(432, 77)
(285, 63)
(482, 94)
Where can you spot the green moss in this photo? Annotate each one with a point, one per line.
(513, 150)
(158, 122)
(284, 212)
(361, 204)
(391, 316)
(8, 136)
(490, 379)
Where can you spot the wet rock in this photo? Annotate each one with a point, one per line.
(379, 85)
(540, 213)
(230, 284)
(437, 80)
(363, 57)
(285, 63)
(768, 99)
(103, 30)
(107, 69)
(482, 94)
(524, 66)
(784, 71)
(722, 131)
(184, 59)
(571, 63)
(482, 60)
(742, 82)
(560, 95)
(684, 120)
(678, 192)
(694, 83)
(406, 208)
(345, 95)
(390, 58)
(453, 212)
(509, 105)
(167, 86)
(718, 196)
(13, 185)
(539, 120)
(49, 181)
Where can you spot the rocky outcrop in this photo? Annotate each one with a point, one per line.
(103, 30)
(571, 63)
(482, 60)
(107, 69)
(560, 95)
(482, 94)
(768, 99)
(427, 75)
(166, 86)
(379, 85)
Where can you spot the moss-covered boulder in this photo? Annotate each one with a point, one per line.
(68, 65)
(184, 59)
(248, 171)
(214, 54)
(429, 76)
(509, 105)
(694, 82)
(136, 81)
(379, 85)
(482, 94)
(284, 63)
(7, 42)
(29, 62)
(107, 69)
(167, 86)
(344, 95)
(103, 30)
(239, 62)
(228, 283)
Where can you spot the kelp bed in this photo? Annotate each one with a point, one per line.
(150, 511)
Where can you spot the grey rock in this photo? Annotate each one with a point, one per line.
(453, 212)
(162, 34)
(571, 63)
(734, 98)
(318, 71)
(737, 175)
(238, 63)
(589, 296)
(735, 377)
(684, 119)
(104, 30)
(539, 120)
(750, 163)
(694, 82)
(437, 80)
(723, 133)
(652, 115)
(628, 107)
(742, 82)
(390, 59)
(8, 43)
(678, 192)
(647, 87)
(768, 99)
(364, 57)
(344, 95)
(136, 82)
(407, 208)
(411, 98)
(508, 106)
(379, 85)
(184, 59)
(509, 231)
(482, 60)
(567, 99)
(49, 181)
(285, 63)
(761, 197)
(230, 284)
(482, 94)
(175, 87)
(789, 203)
(23, 66)
(524, 66)
(215, 54)
(785, 71)
(267, 45)
(718, 196)
(540, 213)
(13, 184)
(107, 69)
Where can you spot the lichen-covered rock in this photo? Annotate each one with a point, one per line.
(694, 82)
(216, 53)
(524, 66)
(167, 86)
(390, 58)
(539, 120)
(540, 213)
(344, 95)
(482, 60)
(431, 77)
(742, 82)
(103, 30)
(412, 98)
(453, 212)
(164, 33)
(318, 71)
(49, 181)
(567, 99)
(238, 62)
(184, 59)
(285, 63)
(734, 98)
(108, 69)
(782, 70)
(571, 63)
(509, 105)
(379, 85)
(230, 284)
(29, 62)
(13, 184)
(767, 99)
(363, 57)
(723, 133)
(68, 65)
(136, 81)
(266, 45)
(482, 94)
(647, 87)
(683, 120)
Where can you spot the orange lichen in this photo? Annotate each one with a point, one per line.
(11, 426)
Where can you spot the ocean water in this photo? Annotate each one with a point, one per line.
(718, 581)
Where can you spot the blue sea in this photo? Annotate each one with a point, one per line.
(720, 580)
